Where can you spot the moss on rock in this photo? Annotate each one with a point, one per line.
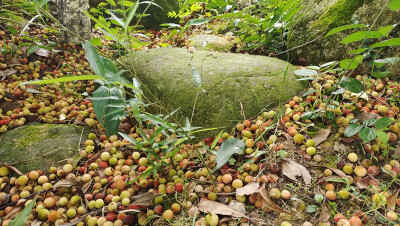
(210, 42)
(39, 146)
(233, 83)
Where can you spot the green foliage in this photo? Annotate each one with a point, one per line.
(228, 148)
(22, 217)
(366, 133)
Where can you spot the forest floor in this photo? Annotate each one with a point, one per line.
(303, 164)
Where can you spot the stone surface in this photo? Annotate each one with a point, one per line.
(210, 42)
(233, 83)
(323, 15)
(40, 146)
(70, 14)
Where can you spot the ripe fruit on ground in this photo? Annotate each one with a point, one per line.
(311, 151)
(348, 169)
(298, 138)
(71, 213)
(53, 216)
(22, 180)
(352, 157)
(99, 203)
(392, 215)
(310, 143)
(168, 214)
(344, 194)
(331, 195)
(42, 214)
(275, 193)
(338, 217)
(355, 221)
(175, 207)
(4, 171)
(237, 183)
(379, 199)
(76, 200)
(227, 178)
(285, 194)
(360, 171)
(212, 219)
(343, 222)
(179, 187)
(212, 196)
(158, 209)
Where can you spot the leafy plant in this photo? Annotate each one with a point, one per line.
(366, 133)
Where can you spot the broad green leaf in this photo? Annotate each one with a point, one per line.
(131, 14)
(394, 5)
(116, 18)
(22, 217)
(367, 134)
(112, 116)
(382, 123)
(357, 51)
(127, 3)
(63, 79)
(99, 104)
(360, 35)
(96, 63)
(342, 28)
(170, 25)
(152, 3)
(306, 72)
(351, 64)
(111, 2)
(382, 136)
(329, 64)
(389, 42)
(311, 208)
(352, 85)
(12, 30)
(385, 30)
(390, 60)
(309, 92)
(352, 130)
(109, 65)
(196, 77)
(381, 74)
(32, 49)
(369, 122)
(95, 41)
(228, 148)
(214, 143)
(197, 22)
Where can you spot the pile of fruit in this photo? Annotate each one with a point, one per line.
(298, 166)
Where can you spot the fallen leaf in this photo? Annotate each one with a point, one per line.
(12, 214)
(271, 204)
(11, 168)
(321, 136)
(146, 199)
(190, 187)
(36, 223)
(249, 189)
(208, 206)
(129, 211)
(338, 147)
(7, 73)
(102, 174)
(86, 186)
(10, 105)
(30, 90)
(5, 199)
(391, 201)
(338, 172)
(66, 183)
(363, 116)
(43, 52)
(325, 213)
(238, 206)
(292, 169)
(348, 140)
(363, 183)
(12, 60)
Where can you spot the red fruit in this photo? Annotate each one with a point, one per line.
(179, 187)
(121, 216)
(170, 189)
(158, 209)
(260, 145)
(103, 164)
(373, 171)
(133, 207)
(183, 163)
(355, 221)
(129, 220)
(338, 217)
(362, 216)
(3, 122)
(82, 169)
(274, 168)
(111, 216)
(142, 168)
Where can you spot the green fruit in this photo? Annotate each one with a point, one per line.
(22, 180)
(348, 169)
(99, 203)
(212, 219)
(310, 143)
(42, 214)
(311, 151)
(298, 138)
(344, 194)
(352, 157)
(4, 171)
(71, 213)
(158, 200)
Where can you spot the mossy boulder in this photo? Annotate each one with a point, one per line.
(40, 146)
(236, 86)
(210, 42)
(319, 16)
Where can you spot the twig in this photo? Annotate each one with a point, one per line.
(302, 45)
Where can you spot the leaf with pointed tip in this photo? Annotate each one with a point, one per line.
(228, 148)
(96, 63)
(22, 217)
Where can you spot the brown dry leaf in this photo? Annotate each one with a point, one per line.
(101, 171)
(363, 183)
(292, 169)
(130, 211)
(338, 147)
(338, 172)
(363, 116)
(249, 189)
(36, 223)
(347, 140)
(325, 213)
(30, 90)
(190, 187)
(146, 199)
(11, 168)
(12, 60)
(7, 73)
(10, 105)
(238, 206)
(208, 206)
(86, 186)
(391, 201)
(43, 52)
(321, 136)
(66, 183)
(13, 213)
(271, 204)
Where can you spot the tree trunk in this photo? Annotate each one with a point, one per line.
(70, 15)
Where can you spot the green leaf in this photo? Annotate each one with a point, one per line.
(197, 22)
(96, 63)
(394, 5)
(196, 77)
(389, 42)
(109, 65)
(381, 74)
(351, 64)
(111, 2)
(228, 148)
(319, 198)
(306, 72)
(360, 35)
(115, 17)
(112, 116)
(22, 217)
(369, 122)
(382, 136)
(342, 28)
(12, 30)
(99, 104)
(131, 14)
(128, 138)
(63, 79)
(390, 60)
(32, 49)
(352, 130)
(214, 143)
(352, 85)
(357, 51)
(311, 208)
(385, 31)
(95, 41)
(382, 123)
(367, 134)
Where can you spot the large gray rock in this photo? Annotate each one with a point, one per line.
(321, 15)
(210, 42)
(40, 146)
(233, 83)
